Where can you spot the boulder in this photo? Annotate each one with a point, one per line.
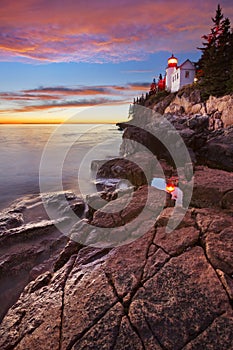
(196, 109)
(186, 101)
(222, 105)
(227, 200)
(212, 220)
(218, 150)
(137, 168)
(161, 106)
(198, 123)
(210, 187)
(219, 249)
(30, 242)
(179, 302)
(211, 105)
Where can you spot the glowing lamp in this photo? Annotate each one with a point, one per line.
(170, 188)
(172, 61)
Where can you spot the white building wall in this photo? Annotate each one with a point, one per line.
(184, 75)
(175, 80)
(168, 81)
(187, 76)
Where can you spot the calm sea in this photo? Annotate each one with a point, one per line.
(47, 158)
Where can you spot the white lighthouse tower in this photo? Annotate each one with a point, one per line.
(171, 68)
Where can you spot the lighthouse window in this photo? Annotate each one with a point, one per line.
(186, 74)
(177, 75)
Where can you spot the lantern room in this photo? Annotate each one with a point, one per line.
(172, 62)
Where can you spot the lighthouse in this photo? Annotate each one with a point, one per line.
(171, 68)
(176, 76)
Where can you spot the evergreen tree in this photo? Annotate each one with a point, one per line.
(216, 59)
(230, 81)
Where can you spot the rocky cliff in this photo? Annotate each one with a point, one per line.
(118, 278)
(188, 102)
(208, 141)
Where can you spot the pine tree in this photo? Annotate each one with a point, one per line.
(230, 81)
(215, 62)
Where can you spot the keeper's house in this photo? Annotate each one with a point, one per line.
(178, 76)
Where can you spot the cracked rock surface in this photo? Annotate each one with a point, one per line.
(159, 291)
(30, 243)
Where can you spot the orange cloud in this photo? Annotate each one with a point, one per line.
(26, 97)
(101, 31)
(68, 104)
(139, 87)
(65, 91)
(58, 98)
(62, 91)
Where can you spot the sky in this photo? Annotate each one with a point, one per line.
(85, 60)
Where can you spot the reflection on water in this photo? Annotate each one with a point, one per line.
(159, 183)
(175, 191)
(21, 148)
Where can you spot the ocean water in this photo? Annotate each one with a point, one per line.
(47, 158)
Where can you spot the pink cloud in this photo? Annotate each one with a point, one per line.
(61, 105)
(101, 31)
(26, 97)
(47, 98)
(87, 90)
(66, 91)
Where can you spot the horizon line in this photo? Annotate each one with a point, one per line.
(56, 123)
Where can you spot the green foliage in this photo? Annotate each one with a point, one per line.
(159, 96)
(187, 90)
(230, 81)
(216, 60)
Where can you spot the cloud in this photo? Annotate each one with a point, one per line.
(26, 97)
(101, 31)
(66, 91)
(60, 97)
(68, 104)
(139, 86)
(63, 91)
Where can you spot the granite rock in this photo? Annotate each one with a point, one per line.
(158, 291)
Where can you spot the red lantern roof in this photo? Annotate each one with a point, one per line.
(172, 61)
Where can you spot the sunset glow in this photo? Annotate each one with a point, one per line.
(58, 57)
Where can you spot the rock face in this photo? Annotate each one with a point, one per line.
(188, 105)
(29, 243)
(212, 188)
(206, 146)
(223, 106)
(217, 152)
(162, 291)
(219, 109)
(137, 168)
